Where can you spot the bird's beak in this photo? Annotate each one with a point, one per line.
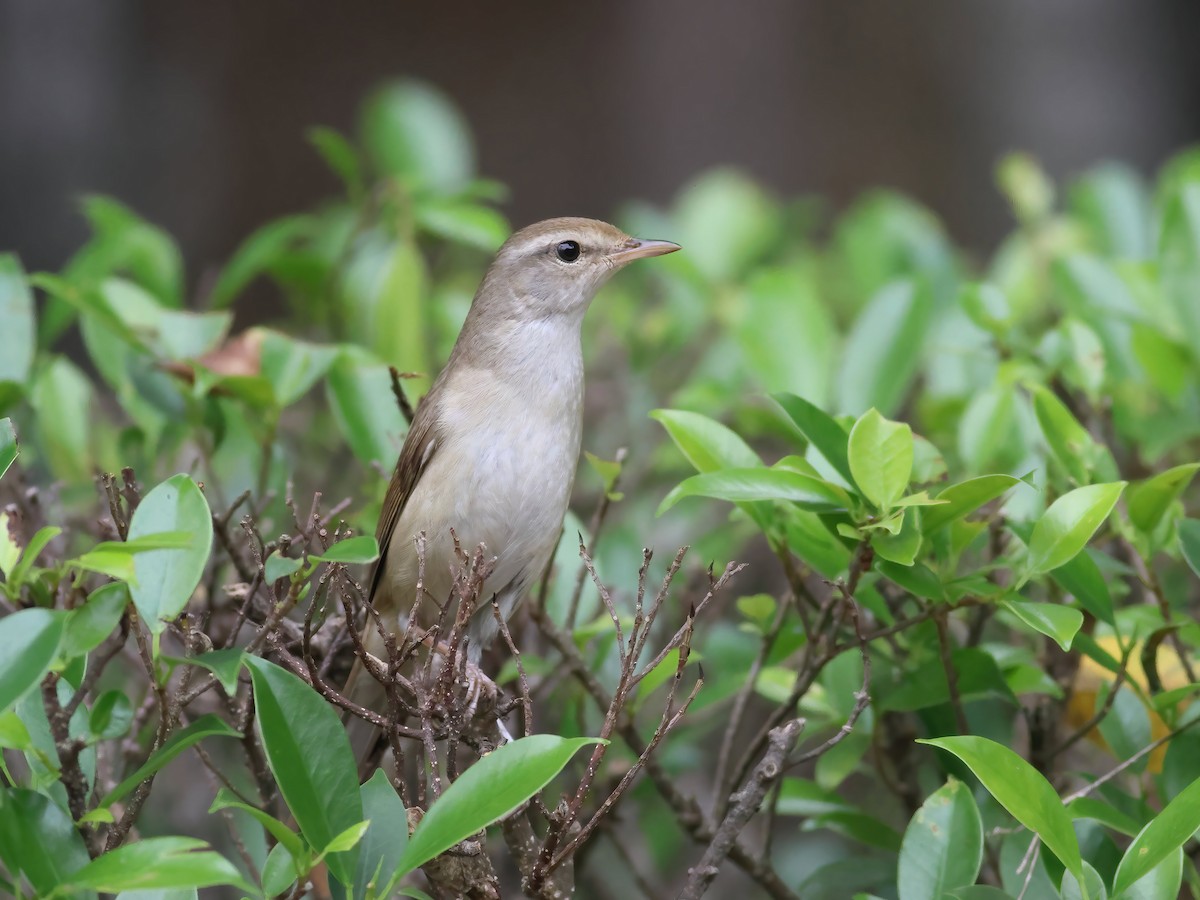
(638, 249)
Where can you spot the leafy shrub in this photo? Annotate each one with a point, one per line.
(961, 664)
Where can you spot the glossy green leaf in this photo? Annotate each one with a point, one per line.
(1061, 623)
(902, 547)
(225, 664)
(37, 837)
(1066, 527)
(964, 498)
(1106, 814)
(412, 130)
(1162, 836)
(255, 256)
(110, 715)
(206, 726)
(158, 862)
(166, 579)
(1082, 578)
(704, 442)
(1069, 441)
(1021, 790)
(277, 567)
(359, 391)
(1089, 886)
(1149, 500)
(358, 550)
(383, 845)
(310, 756)
(29, 642)
(342, 157)
(18, 337)
(740, 485)
(292, 367)
(917, 579)
(820, 429)
(466, 223)
(882, 350)
(285, 836)
(16, 574)
(726, 221)
(1189, 542)
(278, 872)
(8, 445)
(89, 625)
(1161, 883)
(347, 840)
(880, 455)
(488, 791)
(63, 400)
(943, 844)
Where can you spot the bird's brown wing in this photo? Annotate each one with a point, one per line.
(419, 448)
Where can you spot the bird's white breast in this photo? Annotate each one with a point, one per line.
(503, 472)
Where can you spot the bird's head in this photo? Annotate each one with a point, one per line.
(556, 267)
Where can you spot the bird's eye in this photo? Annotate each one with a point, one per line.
(568, 251)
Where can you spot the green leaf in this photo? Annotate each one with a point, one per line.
(880, 454)
(18, 337)
(125, 242)
(704, 442)
(225, 664)
(310, 757)
(113, 563)
(383, 846)
(37, 543)
(37, 837)
(1149, 500)
(166, 579)
(1069, 441)
(382, 299)
(1082, 578)
(110, 715)
(356, 550)
(8, 445)
(917, 579)
(819, 429)
(255, 255)
(29, 641)
(1110, 816)
(206, 726)
(277, 567)
(278, 872)
(347, 840)
(760, 483)
(883, 350)
(1163, 835)
(465, 223)
(285, 836)
(1189, 542)
(412, 130)
(62, 399)
(1061, 623)
(341, 156)
(727, 222)
(1089, 887)
(158, 862)
(1065, 528)
(943, 844)
(292, 367)
(1021, 790)
(902, 547)
(488, 791)
(359, 391)
(1160, 883)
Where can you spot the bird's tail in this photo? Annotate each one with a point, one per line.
(362, 688)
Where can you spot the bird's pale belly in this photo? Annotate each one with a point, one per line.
(510, 493)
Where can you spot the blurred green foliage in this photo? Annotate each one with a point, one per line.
(994, 458)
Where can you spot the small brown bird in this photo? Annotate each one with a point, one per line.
(492, 450)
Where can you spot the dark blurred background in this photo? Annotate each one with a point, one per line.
(195, 113)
